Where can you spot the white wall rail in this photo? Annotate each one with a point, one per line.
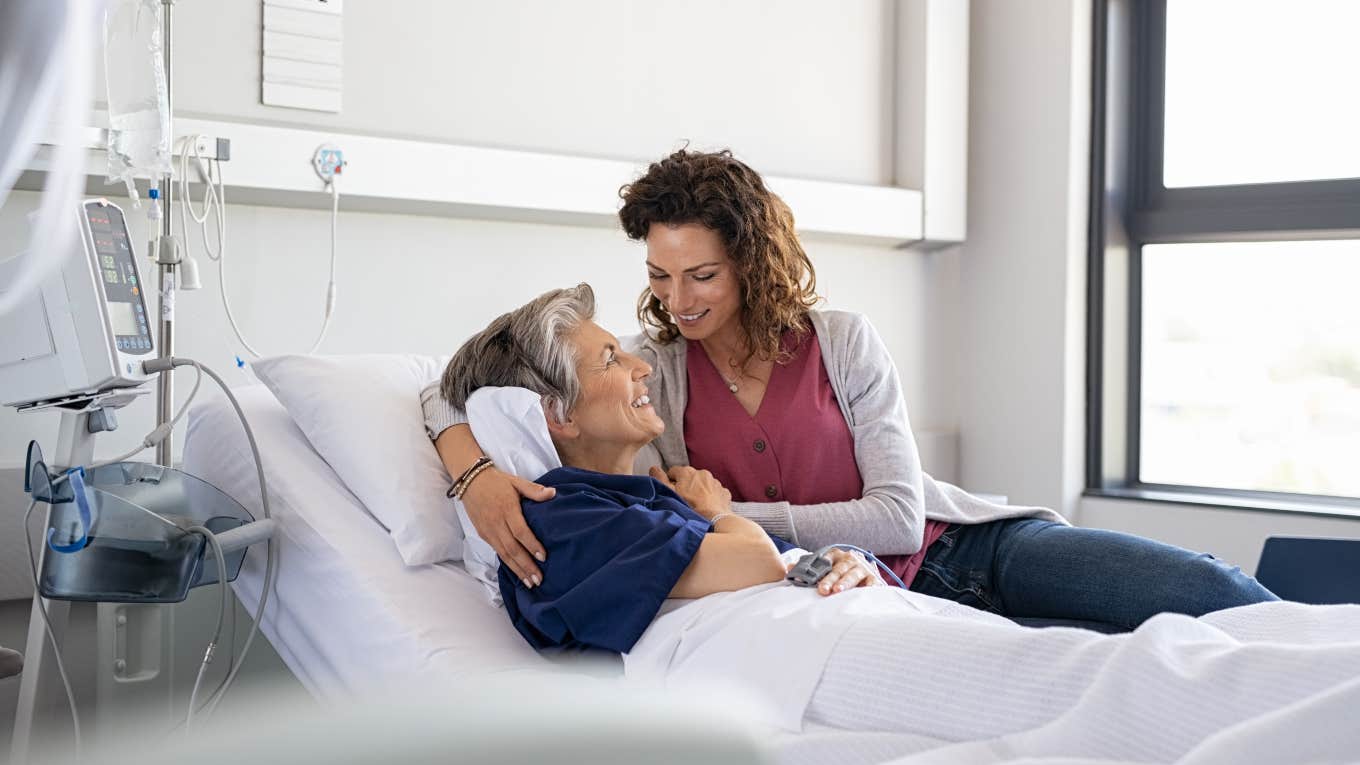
(931, 113)
(272, 166)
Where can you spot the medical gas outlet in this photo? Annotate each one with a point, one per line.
(328, 161)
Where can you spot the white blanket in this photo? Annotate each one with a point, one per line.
(1270, 682)
(772, 640)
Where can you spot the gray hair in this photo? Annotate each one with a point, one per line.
(525, 348)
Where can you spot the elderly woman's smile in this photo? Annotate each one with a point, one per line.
(613, 410)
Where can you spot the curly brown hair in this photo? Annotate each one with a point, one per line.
(716, 190)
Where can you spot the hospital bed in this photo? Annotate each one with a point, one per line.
(349, 618)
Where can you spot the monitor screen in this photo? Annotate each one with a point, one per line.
(124, 319)
(118, 273)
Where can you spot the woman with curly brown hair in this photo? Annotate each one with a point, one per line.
(799, 413)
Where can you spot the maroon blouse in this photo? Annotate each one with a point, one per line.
(797, 448)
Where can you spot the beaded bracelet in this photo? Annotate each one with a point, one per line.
(463, 487)
(459, 486)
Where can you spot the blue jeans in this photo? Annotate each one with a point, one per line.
(1041, 573)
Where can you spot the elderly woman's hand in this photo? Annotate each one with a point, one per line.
(848, 570)
(698, 488)
(493, 506)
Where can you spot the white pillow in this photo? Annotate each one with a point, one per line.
(363, 416)
(512, 430)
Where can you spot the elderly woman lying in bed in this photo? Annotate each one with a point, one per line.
(619, 544)
(657, 568)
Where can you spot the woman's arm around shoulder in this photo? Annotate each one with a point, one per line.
(492, 500)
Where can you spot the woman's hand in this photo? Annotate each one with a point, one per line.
(848, 570)
(493, 506)
(698, 488)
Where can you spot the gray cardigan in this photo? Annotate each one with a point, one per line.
(898, 496)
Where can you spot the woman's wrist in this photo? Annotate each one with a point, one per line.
(461, 484)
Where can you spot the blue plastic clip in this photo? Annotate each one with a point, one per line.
(77, 480)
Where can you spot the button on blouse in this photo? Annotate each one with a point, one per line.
(767, 457)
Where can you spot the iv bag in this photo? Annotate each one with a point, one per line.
(139, 102)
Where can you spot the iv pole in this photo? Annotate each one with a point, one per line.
(167, 257)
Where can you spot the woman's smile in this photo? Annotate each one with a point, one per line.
(689, 320)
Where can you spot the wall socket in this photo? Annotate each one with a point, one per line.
(206, 147)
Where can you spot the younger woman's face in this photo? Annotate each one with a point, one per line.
(691, 274)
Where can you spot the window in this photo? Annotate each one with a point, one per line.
(1224, 285)
(1261, 91)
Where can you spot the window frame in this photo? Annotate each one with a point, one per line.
(1130, 207)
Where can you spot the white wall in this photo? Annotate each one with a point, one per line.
(1019, 276)
(798, 87)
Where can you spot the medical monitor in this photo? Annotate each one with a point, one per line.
(89, 328)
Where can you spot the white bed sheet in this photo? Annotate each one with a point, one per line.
(346, 615)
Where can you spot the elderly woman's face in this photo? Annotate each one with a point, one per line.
(691, 274)
(611, 408)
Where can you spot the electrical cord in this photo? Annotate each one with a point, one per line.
(154, 437)
(51, 633)
(215, 204)
(214, 197)
(221, 618)
(807, 573)
(271, 564)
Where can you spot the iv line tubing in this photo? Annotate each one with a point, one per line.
(221, 618)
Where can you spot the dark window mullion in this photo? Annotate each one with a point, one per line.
(1146, 158)
(1245, 224)
(1149, 103)
(1134, 398)
(1095, 243)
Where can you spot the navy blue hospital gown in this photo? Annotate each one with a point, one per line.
(616, 545)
